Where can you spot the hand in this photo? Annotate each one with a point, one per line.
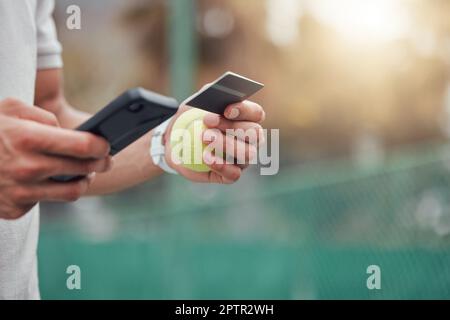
(247, 116)
(34, 148)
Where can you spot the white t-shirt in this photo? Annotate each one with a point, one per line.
(27, 42)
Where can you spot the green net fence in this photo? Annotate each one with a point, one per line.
(308, 233)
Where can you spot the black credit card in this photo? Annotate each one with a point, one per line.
(228, 89)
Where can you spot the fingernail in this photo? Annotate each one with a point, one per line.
(211, 120)
(208, 158)
(209, 136)
(233, 113)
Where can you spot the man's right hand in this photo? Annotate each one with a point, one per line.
(33, 148)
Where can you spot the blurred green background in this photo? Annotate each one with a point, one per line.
(360, 91)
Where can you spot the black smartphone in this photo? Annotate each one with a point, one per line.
(126, 119)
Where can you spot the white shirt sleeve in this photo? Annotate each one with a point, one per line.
(48, 47)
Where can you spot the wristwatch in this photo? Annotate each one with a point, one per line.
(158, 149)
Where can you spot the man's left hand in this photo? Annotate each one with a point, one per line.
(246, 116)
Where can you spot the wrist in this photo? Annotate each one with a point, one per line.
(158, 147)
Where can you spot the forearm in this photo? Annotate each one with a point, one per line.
(131, 167)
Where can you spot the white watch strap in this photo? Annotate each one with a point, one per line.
(157, 148)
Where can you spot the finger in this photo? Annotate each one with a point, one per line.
(218, 178)
(65, 142)
(230, 147)
(69, 166)
(250, 132)
(18, 109)
(245, 111)
(54, 191)
(224, 173)
(204, 177)
(39, 115)
(41, 167)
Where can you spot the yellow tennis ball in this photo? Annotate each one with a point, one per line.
(186, 140)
